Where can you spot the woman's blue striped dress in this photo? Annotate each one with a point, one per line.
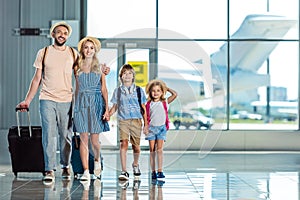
(89, 105)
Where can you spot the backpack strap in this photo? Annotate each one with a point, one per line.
(118, 96)
(73, 54)
(148, 111)
(167, 117)
(138, 90)
(43, 60)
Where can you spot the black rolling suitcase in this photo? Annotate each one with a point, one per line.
(76, 160)
(25, 147)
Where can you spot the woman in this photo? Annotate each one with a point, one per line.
(91, 103)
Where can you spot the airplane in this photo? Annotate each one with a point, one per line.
(205, 86)
(248, 56)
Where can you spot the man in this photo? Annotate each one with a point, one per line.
(54, 74)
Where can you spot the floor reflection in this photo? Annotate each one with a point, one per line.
(216, 176)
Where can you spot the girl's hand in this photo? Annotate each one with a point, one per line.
(146, 130)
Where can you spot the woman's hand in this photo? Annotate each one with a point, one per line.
(106, 116)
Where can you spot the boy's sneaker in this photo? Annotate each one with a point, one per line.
(97, 169)
(124, 184)
(136, 184)
(124, 176)
(66, 173)
(136, 170)
(49, 176)
(160, 176)
(85, 176)
(153, 175)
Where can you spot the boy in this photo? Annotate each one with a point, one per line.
(126, 99)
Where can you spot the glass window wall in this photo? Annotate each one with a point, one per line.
(236, 64)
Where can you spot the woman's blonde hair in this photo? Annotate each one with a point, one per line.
(95, 62)
(153, 83)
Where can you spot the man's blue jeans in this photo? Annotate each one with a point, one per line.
(56, 119)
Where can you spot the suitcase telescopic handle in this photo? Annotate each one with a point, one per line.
(18, 121)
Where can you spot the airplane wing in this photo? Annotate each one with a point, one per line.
(187, 86)
(250, 55)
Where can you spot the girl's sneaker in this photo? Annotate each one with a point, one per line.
(160, 176)
(97, 189)
(153, 175)
(85, 176)
(160, 183)
(85, 184)
(97, 169)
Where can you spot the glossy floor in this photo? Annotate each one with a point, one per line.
(189, 175)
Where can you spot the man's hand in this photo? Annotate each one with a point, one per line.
(24, 105)
(105, 69)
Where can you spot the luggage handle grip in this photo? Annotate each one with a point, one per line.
(18, 121)
(20, 108)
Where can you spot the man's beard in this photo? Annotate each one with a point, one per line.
(59, 44)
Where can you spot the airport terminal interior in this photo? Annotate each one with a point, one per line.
(234, 126)
(189, 175)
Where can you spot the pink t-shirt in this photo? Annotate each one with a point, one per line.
(57, 83)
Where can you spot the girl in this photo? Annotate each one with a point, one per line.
(158, 122)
